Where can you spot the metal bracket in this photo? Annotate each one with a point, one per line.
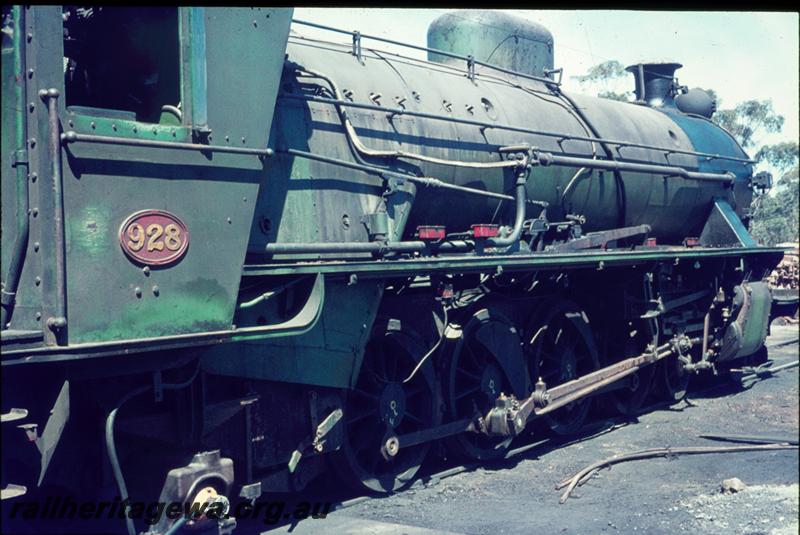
(357, 46)
(251, 492)
(536, 226)
(655, 307)
(14, 415)
(559, 71)
(393, 184)
(598, 239)
(471, 68)
(317, 442)
(377, 224)
(7, 298)
(324, 428)
(723, 228)
(19, 157)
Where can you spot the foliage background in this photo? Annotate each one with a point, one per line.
(774, 216)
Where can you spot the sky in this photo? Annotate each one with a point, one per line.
(741, 55)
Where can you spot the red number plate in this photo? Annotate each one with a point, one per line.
(154, 237)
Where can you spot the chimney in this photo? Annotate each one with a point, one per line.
(655, 83)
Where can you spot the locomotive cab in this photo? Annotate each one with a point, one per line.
(123, 117)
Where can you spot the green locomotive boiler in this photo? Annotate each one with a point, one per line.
(236, 259)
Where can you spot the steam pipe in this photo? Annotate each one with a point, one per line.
(546, 159)
(8, 293)
(360, 147)
(422, 180)
(519, 218)
(381, 248)
(376, 247)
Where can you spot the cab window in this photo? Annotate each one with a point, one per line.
(123, 62)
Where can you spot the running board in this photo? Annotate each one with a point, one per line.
(600, 239)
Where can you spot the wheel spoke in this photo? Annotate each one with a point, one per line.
(416, 392)
(411, 416)
(550, 356)
(473, 376)
(473, 357)
(548, 374)
(387, 362)
(564, 346)
(381, 363)
(467, 392)
(358, 416)
(365, 394)
(392, 368)
(372, 462)
(571, 345)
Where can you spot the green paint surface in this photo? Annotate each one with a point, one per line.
(105, 126)
(90, 232)
(200, 306)
(755, 329)
(330, 354)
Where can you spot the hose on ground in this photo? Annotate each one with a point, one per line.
(585, 474)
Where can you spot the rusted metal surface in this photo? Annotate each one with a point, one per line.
(510, 416)
(600, 238)
(435, 433)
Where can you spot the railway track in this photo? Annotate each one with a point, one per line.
(591, 431)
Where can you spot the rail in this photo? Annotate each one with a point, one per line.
(510, 128)
(74, 137)
(58, 322)
(421, 180)
(470, 61)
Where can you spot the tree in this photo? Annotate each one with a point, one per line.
(602, 74)
(774, 217)
(748, 120)
(713, 94)
(781, 156)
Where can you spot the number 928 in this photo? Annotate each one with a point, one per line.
(154, 237)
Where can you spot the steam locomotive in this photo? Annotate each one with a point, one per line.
(236, 259)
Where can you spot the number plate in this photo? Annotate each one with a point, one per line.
(154, 237)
